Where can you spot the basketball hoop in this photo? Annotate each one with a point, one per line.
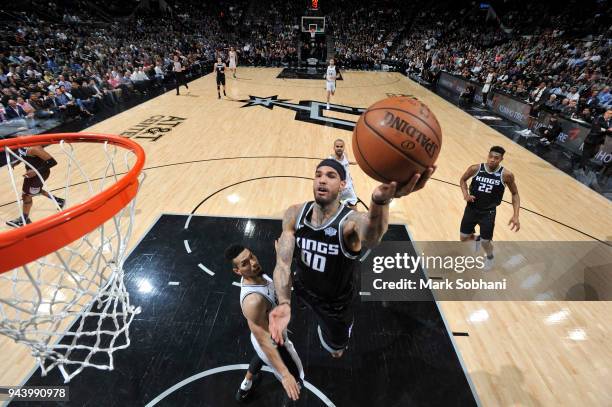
(66, 269)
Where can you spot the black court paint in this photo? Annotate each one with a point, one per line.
(400, 353)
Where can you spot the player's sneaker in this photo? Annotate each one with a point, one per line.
(242, 395)
(327, 106)
(489, 263)
(17, 223)
(60, 202)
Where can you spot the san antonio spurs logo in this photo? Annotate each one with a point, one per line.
(309, 111)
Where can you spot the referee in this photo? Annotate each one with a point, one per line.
(179, 74)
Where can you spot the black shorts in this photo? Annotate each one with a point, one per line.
(485, 219)
(335, 320)
(33, 186)
(221, 80)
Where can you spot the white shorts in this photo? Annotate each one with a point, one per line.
(348, 196)
(330, 86)
(290, 348)
(232, 64)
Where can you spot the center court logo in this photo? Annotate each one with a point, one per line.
(309, 111)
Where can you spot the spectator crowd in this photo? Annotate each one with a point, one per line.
(69, 61)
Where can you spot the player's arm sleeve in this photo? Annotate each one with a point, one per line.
(284, 254)
(255, 310)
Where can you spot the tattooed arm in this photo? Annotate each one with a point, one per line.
(367, 229)
(280, 315)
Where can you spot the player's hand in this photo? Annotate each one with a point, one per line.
(384, 192)
(514, 224)
(29, 174)
(291, 386)
(469, 198)
(279, 320)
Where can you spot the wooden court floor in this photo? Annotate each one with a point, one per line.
(514, 355)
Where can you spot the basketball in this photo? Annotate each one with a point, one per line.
(396, 138)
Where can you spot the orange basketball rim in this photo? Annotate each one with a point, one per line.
(39, 238)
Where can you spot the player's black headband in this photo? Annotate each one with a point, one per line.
(329, 162)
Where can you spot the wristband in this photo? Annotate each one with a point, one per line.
(379, 203)
(284, 302)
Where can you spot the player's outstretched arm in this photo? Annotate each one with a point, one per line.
(367, 229)
(254, 308)
(509, 180)
(469, 173)
(280, 315)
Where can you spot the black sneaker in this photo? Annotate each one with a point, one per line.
(242, 395)
(60, 202)
(219, 96)
(17, 223)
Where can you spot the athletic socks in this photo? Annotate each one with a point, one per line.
(224, 94)
(477, 243)
(246, 385)
(219, 95)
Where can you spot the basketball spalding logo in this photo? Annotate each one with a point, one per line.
(396, 138)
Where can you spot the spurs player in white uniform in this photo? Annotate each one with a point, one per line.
(330, 80)
(257, 298)
(347, 195)
(233, 60)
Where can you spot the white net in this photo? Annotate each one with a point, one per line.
(70, 307)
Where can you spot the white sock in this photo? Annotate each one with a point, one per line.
(246, 385)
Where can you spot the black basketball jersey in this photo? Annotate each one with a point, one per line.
(488, 188)
(220, 69)
(325, 267)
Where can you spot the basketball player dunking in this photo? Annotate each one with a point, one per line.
(219, 68)
(34, 157)
(328, 239)
(347, 195)
(233, 61)
(330, 80)
(257, 298)
(484, 195)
